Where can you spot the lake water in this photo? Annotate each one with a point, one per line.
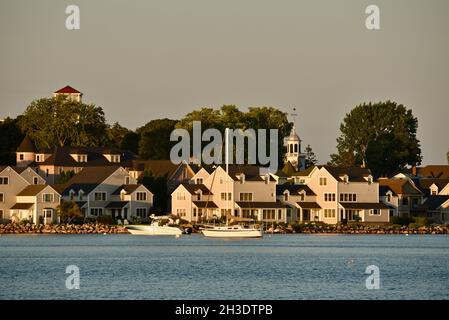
(192, 267)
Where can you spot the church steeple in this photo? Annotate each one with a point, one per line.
(293, 154)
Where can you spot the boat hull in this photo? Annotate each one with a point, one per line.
(154, 230)
(232, 233)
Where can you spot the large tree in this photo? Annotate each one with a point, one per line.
(229, 116)
(59, 121)
(155, 139)
(311, 159)
(380, 136)
(10, 139)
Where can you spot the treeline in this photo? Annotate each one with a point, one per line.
(59, 122)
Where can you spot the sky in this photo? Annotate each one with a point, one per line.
(147, 59)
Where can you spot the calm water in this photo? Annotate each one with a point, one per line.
(191, 267)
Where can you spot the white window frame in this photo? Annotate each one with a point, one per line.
(4, 178)
(100, 192)
(2, 199)
(180, 195)
(246, 193)
(144, 209)
(99, 210)
(141, 193)
(48, 194)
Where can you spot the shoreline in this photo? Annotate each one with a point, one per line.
(322, 230)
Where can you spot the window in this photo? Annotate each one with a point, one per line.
(81, 195)
(21, 157)
(46, 172)
(1, 214)
(224, 198)
(323, 181)
(35, 180)
(38, 158)
(329, 197)
(348, 197)
(4, 180)
(71, 194)
(329, 213)
(279, 214)
(181, 212)
(96, 212)
(47, 197)
(100, 196)
(2, 197)
(199, 181)
(180, 196)
(269, 214)
(286, 196)
(405, 201)
(389, 197)
(115, 158)
(246, 196)
(126, 180)
(141, 212)
(47, 213)
(141, 196)
(82, 158)
(374, 212)
(301, 197)
(434, 193)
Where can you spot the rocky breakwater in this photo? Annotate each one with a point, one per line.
(87, 228)
(361, 229)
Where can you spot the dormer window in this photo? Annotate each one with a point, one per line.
(242, 178)
(199, 181)
(370, 179)
(301, 196)
(286, 195)
(345, 178)
(71, 195)
(81, 195)
(40, 158)
(115, 158)
(82, 158)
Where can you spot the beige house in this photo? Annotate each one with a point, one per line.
(69, 93)
(11, 184)
(301, 200)
(37, 203)
(241, 193)
(346, 195)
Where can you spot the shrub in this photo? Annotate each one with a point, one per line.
(400, 220)
(422, 221)
(105, 219)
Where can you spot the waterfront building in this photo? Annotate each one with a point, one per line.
(11, 184)
(243, 192)
(37, 204)
(109, 191)
(401, 195)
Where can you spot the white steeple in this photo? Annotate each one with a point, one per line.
(293, 154)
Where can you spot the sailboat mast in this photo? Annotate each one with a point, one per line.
(227, 171)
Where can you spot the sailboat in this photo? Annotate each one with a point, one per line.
(232, 231)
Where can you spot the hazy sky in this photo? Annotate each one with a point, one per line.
(142, 60)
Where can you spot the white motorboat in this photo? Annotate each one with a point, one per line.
(236, 231)
(155, 228)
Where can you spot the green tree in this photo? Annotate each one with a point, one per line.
(380, 136)
(10, 138)
(52, 122)
(65, 176)
(311, 159)
(229, 116)
(116, 134)
(158, 185)
(68, 210)
(155, 141)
